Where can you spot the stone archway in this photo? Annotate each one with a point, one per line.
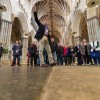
(23, 21)
(83, 28)
(21, 31)
(80, 27)
(16, 33)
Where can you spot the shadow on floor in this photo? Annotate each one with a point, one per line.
(22, 83)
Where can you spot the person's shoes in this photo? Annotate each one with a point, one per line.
(19, 65)
(53, 64)
(44, 65)
(27, 64)
(12, 65)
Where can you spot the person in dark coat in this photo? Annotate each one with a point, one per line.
(69, 55)
(32, 51)
(21, 47)
(53, 45)
(1, 52)
(16, 54)
(59, 54)
(42, 35)
(85, 51)
(78, 54)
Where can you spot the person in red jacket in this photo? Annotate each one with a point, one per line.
(65, 54)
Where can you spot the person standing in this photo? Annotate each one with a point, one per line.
(65, 52)
(95, 51)
(16, 54)
(32, 51)
(59, 54)
(42, 36)
(1, 52)
(85, 51)
(78, 54)
(53, 45)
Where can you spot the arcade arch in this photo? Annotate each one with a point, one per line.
(80, 27)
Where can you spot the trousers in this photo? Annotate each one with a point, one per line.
(44, 43)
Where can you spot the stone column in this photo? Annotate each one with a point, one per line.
(93, 24)
(25, 47)
(5, 35)
(93, 28)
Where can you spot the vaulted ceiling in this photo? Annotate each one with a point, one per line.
(55, 11)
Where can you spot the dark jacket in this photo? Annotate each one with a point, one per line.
(1, 51)
(15, 48)
(78, 50)
(32, 49)
(40, 32)
(20, 47)
(59, 50)
(53, 46)
(71, 52)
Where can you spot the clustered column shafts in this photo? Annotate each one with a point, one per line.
(51, 16)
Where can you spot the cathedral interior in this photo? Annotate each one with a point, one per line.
(69, 22)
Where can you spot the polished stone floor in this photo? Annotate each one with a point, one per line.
(73, 83)
(22, 83)
(57, 83)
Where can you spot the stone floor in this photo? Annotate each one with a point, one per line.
(22, 83)
(57, 83)
(73, 83)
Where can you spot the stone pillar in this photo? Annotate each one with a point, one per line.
(93, 28)
(93, 24)
(5, 35)
(25, 47)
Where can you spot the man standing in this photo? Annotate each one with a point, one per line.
(1, 52)
(42, 36)
(53, 49)
(59, 54)
(32, 51)
(16, 54)
(95, 51)
(78, 54)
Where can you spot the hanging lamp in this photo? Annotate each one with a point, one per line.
(92, 3)
(2, 8)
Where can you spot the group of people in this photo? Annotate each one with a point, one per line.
(83, 53)
(51, 53)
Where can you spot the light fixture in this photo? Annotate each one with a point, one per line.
(74, 32)
(2, 8)
(92, 3)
